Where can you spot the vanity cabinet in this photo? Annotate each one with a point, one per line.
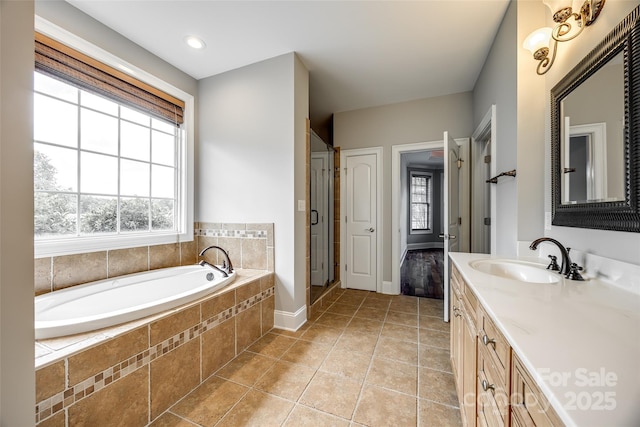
(494, 389)
(464, 346)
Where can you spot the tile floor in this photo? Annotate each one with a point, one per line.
(368, 360)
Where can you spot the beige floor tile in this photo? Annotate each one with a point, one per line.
(434, 358)
(333, 320)
(307, 353)
(404, 319)
(399, 332)
(435, 338)
(403, 351)
(398, 409)
(257, 409)
(371, 313)
(393, 375)
(333, 394)
(431, 414)
(303, 416)
(354, 341)
(344, 309)
(437, 386)
(352, 297)
(433, 322)
(208, 403)
(286, 380)
(404, 305)
(272, 345)
(322, 334)
(431, 307)
(170, 420)
(247, 368)
(347, 363)
(365, 326)
(293, 334)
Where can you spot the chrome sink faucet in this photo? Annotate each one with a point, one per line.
(565, 267)
(227, 267)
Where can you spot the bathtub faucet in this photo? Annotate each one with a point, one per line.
(227, 267)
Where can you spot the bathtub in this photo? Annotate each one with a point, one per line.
(110, 302)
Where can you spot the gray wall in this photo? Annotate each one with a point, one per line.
(17, 383)
(251, 159)
(422, 120)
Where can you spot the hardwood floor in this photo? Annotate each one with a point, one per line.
(422, 273)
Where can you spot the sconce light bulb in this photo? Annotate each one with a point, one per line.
(539, 39)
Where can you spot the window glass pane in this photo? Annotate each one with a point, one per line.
(99, 132)
(55, 168)
(163, 148)
(54, 87)
(99, 174)
(54, 214)
(55, 121)
(99, 103)
(134, 116)
(98, 214)
(418, 216)
(162, 214)
(134, 214)
(134, 178)
(162, 182)
(162, 125)
(134, 141)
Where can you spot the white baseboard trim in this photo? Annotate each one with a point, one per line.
(290, 321)
(389, 289)
(404, 255)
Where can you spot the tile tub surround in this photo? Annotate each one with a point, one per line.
(250, 246)
(127, 374)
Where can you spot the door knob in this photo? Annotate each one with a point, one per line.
(371, 229)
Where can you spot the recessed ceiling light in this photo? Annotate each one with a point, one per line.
(195, 42)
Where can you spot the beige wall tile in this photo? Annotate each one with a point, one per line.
(233, 246)
(254, 253)
(211, 255)
(58, 420)
(189, 252)
(163, 256)
(174, 375)
(267, 282)
(218, 304)
(249, 330)
(173, 324)
(97, 359)
(210, 226)
(42, 275)
(49, 380)
(124, 403)
(218, 347)
(234, 226)
(72, 270)
(268, 308)
(127, 261)
(248, 290)
(270, 259)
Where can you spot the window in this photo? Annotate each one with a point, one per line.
(108, 172)
(420, 201)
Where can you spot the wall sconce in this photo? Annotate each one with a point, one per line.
(543, 42)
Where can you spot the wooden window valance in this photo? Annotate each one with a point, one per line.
(62, 62)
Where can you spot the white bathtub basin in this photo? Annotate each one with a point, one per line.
(516, 270)
(110, 302)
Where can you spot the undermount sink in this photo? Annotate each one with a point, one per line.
(516, 270)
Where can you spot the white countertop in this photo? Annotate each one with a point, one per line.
(580, 341)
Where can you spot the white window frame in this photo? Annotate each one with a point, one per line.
(185, 162)
(429, 175)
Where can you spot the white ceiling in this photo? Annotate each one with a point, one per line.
(359, 53)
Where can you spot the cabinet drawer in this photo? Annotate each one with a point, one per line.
(498, 350)
(493, 392)
(528, 405)
(487, 408)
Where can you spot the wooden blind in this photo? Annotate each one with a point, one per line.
(62, 62)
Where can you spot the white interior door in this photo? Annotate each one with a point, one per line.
(317, 220)
(361, 222)
(451, 211)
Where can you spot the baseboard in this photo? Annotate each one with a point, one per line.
(389, 289)
(290, 321)
(426, 245)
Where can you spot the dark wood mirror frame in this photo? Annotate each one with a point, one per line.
(619, 215)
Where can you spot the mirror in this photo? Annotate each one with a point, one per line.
(322, 221)
(595, 155)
